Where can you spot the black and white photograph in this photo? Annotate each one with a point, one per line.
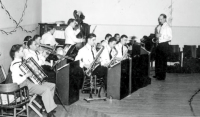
(99, 58)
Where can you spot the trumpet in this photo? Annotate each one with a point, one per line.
(47, 47)
(52, 49)
(61, 56)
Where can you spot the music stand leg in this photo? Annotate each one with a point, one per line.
(93, 86)
(60, 100)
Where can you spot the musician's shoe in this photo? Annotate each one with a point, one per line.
(155, 76)
(160, 78)
(51, 114)
(42, 110)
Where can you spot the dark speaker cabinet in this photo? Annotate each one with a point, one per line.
(118, 80)
(67, 83)
(189, 51)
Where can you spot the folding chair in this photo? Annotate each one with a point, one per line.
(33, 103)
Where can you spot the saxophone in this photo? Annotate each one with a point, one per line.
(125, 55)
(94, 65)
(113, 60)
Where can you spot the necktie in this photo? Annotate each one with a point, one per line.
(122, 50)
(36, 55)
(110, 54)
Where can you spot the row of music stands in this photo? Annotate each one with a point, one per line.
(129, 75)
(122, 79)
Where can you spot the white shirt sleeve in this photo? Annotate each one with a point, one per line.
(17, 75)
(53, 41)
(71, 34)
(166, 33)
(80, 58)
(105, 58)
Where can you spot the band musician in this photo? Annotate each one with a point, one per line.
(48, 37)
(107, 37)
(121, 48)
(108, 52)
(46, 90)
(164, 36)
(87, 55)
(37, 56)
(70, 34)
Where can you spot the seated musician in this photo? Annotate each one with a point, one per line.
(87, 55)
(46, 90)
(37, 40)
(26, 39)
(117, 37)
(40, 58)
(107, 37)
(70, 33)
(108, 52)
(121, 48)
(37, 56)
(48, 38)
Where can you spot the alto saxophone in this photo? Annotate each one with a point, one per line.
(113, 60)
(94, 65)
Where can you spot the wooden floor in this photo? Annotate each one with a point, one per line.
(167, 98)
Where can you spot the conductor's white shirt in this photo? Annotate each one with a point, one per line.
(165, 31)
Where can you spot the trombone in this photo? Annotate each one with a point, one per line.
(52, 49)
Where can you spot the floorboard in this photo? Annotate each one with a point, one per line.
(167, 98)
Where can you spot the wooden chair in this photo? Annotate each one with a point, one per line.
(13, 97)
(174, 59)
(32, 103)
(198, 52)
(189, 51)
(174, 54)
(189, 59)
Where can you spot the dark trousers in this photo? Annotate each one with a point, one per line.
(162, 51)
(101, 72)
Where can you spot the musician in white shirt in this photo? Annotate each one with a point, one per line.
(26, 39)
(108, 52)
(48, 37)
(37, 56)
(70, 33)
(46, 90)
(117, 37)
(121, 48)
(164, 36)
(107, 37)
(87, 54)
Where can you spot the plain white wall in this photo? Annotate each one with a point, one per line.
(115, 12)
(30, 21)
(130, 17)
